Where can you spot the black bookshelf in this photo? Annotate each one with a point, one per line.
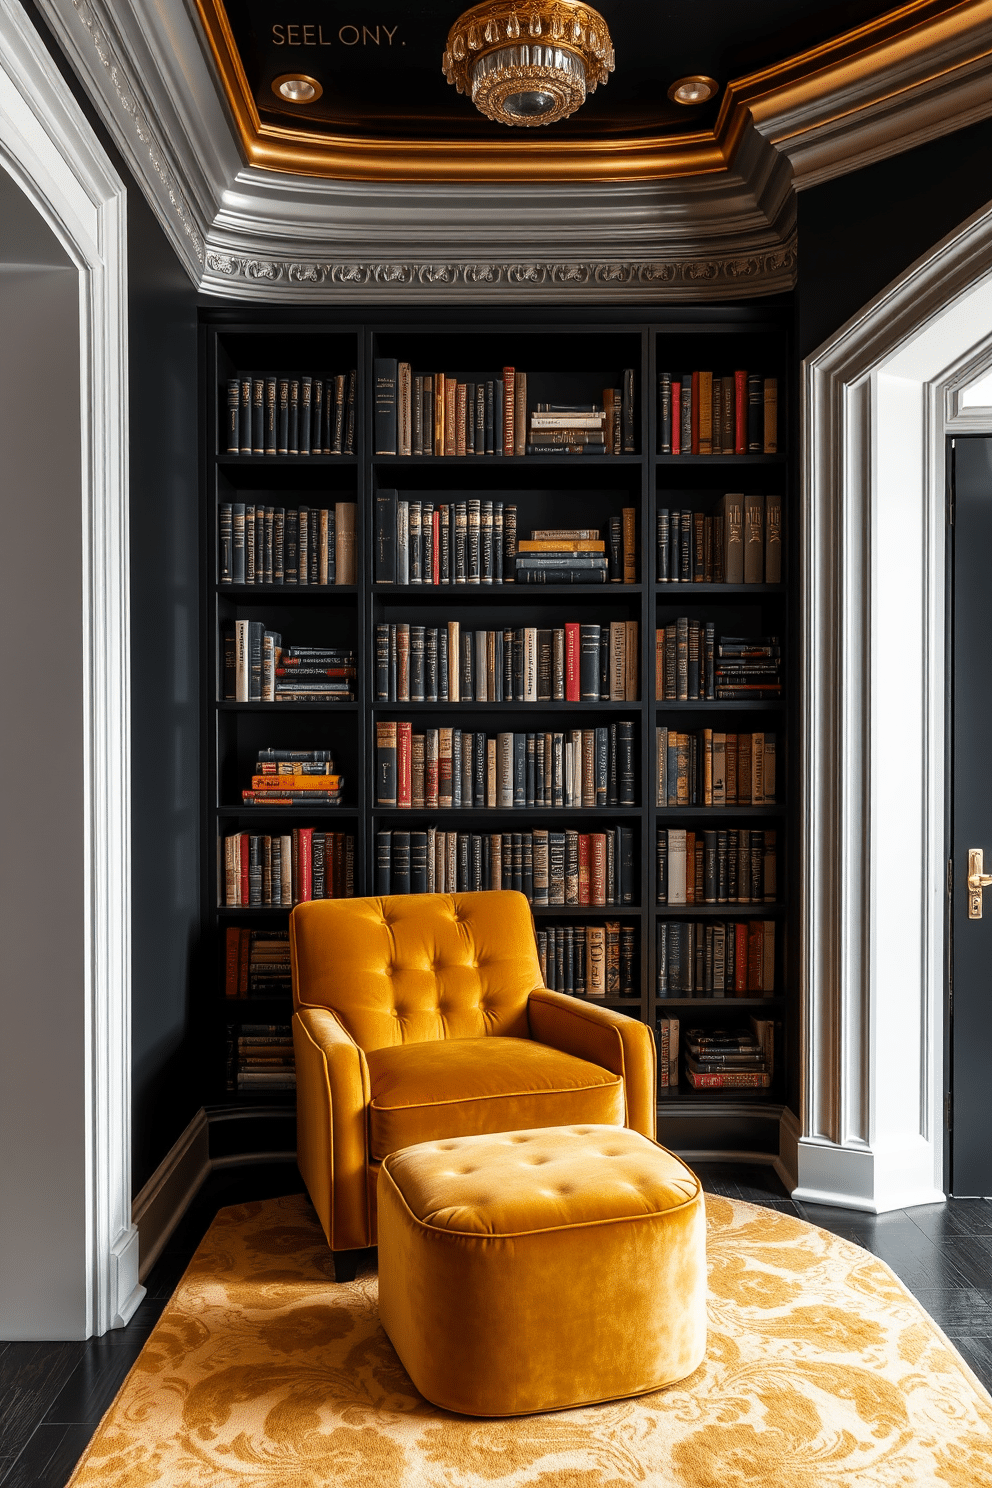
(565, 356)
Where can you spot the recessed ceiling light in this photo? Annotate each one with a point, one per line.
(690, 90)
(293, 87)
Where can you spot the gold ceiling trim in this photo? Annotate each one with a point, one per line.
(867, 58)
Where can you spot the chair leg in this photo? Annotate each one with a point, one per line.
(346, 1264)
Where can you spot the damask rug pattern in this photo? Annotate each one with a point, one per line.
(821, 1372)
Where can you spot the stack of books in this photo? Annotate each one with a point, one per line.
(748, 668)
(589, 960)
(606, 428)
(271, 414)
(740, 543)
(294, 777)
(287, 868)
(703, 414)
(257, 668)
(712, 768)
(572, 868)
(257, 963)
(260, 1058)
(730, 1059)
(733, 958)
(571, 663)
(737, 866)
(452, 769)
(575, 555)
(309, 545)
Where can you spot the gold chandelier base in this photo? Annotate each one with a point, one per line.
(528, 62)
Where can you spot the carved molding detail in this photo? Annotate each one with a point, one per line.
(140, 127)
(759, 273)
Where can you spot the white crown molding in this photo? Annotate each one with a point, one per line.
(49, 148)
(876, 397)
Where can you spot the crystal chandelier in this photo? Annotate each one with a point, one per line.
(528, 61)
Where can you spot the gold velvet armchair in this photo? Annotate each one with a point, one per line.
(423, 1016)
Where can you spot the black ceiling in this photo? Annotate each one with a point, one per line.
(393, 88)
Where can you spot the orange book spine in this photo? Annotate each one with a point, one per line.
(509, 403)
(695, 413)
(597, 868)
(450, 416)
(584, 876)
(740, 959)
(296, 782)
(439, 407)
(629, 545)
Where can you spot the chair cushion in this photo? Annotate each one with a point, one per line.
(425, 1092)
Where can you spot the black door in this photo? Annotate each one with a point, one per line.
(971, 820)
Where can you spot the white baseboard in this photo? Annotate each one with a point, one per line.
(163, 1201)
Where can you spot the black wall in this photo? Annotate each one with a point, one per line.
(165, 731)
(858, 233)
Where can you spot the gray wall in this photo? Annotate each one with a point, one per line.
(42, 1086)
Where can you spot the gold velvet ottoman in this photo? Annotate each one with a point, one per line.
(536, 1270)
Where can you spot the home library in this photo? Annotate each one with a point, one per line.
(520, 532)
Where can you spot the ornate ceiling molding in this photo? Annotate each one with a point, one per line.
(738, 276)
(664, 222)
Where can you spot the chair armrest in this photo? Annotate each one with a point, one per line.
(332, 1094)
(615, 1042)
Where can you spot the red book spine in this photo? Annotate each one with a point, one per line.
(305, 866)
(430, 782)
(676, 418)
(244, 958)
(233, 949)
(330, 853)
(584, 874)
(740, 959)
(597, 868)
(243, 866)
(755, 955)
(404, 757)
(436, 549)
(695, 413)
(572, 663)
(740, 413)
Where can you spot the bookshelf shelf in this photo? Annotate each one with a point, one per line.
(569, 356)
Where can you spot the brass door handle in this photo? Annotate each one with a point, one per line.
(977, 881)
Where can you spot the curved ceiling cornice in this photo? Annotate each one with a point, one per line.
(269, 212)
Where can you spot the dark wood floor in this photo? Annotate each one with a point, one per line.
(52, 1395)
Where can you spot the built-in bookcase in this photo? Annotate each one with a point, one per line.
(566, 359)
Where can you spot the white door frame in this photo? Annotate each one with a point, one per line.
(880, 397)
(48, 147)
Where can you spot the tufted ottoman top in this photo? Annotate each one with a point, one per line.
(522, 1182)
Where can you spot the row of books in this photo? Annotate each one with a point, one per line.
(571, 663)
(570, 868)
(736, 1058)
(310, 545)
(454, 769)
(297, 414)
(288, 868)
(475, 542)
(737, 866)
(590, 960)
(692, 665)
(294, 777)
(732, 958)
(711, 768)
(702, 413)
(257, 668)
(438, 414)
(739, 543)
(256, 963)
(259, 1057)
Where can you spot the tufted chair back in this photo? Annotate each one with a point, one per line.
(405, 969)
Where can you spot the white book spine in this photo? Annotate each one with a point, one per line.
(661, 761)
(402, 542)
(243, 660)
(504, 770)
(676, 866)
(530, 664)
(454, 661)
(618, 661)
(481, 669)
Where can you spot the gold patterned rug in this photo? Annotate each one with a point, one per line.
(821, 1371)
